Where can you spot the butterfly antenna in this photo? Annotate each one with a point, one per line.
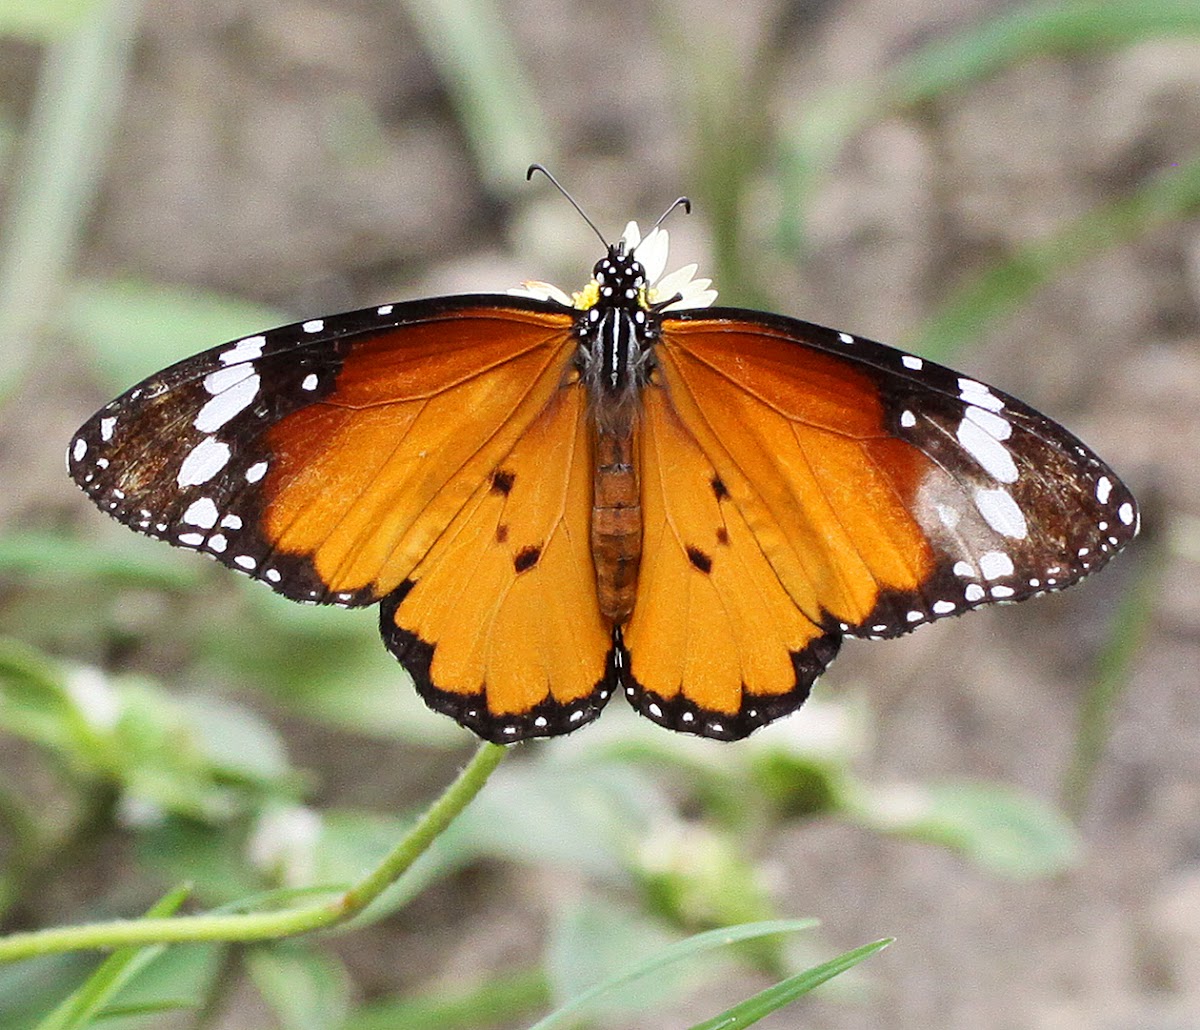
(558, 185)
(682, 202)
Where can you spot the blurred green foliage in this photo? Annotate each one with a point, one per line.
(200, 788)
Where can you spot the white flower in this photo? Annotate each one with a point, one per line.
(284, 842)
(652, 253)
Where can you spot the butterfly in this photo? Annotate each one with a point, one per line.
(555, 498)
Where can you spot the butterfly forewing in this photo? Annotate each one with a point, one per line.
(324, 458)
(884, 489)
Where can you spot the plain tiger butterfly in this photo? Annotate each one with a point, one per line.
(558, 498)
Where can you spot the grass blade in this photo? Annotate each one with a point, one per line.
(970, 310)
(681, 952)
(496, 102)
(786, 991)
(73, 117)
(77, 1011)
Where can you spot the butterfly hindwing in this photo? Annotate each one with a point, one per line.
(715, 644)
(499, 623)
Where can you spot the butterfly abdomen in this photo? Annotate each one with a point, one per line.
(616, 521)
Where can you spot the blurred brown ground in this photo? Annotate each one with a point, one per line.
(223, 177)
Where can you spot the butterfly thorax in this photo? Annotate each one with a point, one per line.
(616, 331)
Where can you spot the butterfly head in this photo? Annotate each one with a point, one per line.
(630, 255)
(620, 279)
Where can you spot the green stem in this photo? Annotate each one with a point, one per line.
(268, 925)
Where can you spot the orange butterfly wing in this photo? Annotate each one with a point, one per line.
(418, 453)
(499, 623)
(800, 484)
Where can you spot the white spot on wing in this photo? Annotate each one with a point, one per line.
(943, 607)
(223, 378)
(221, 408)
(908, 419)
(80, 449)
(244, 350)
(106, 428)
(202, 513)
(995, 564)
(1125, 513)
(997, 425)
(314, 325)
(987, 450)
(977, 393)
(973, 593)
(232, 522)
(963, 570)
(191, 539)
(912, 361)
(203, 462)
(310, 382)
(1001, 512)
(845, 337)
(256, 471)
(1103, 489)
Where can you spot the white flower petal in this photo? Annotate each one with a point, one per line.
(539, 290)
(652, 253)
(695, 295)
(675, 282)
(632, 237)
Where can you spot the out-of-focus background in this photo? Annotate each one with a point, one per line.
(1015, 796)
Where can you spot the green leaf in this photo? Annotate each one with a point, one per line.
(305, 988)
(118, 561)
(28, 990)
(584, 816)
(135, 328)
(684, 951)
(596, 940)
(83, 1006)
(753, 1009)
(1001, 829)
(42, 21)
(33, 698)
(502, 999)
(214, 858)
